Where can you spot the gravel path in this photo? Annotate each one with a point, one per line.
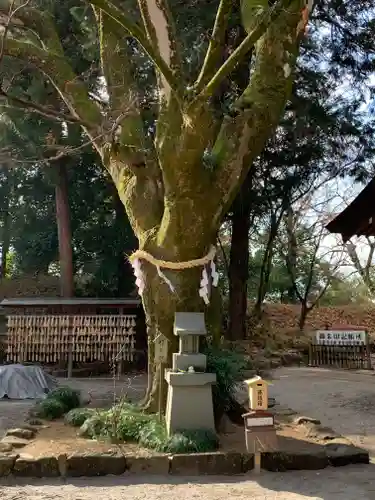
(348, 483)
(344, 401)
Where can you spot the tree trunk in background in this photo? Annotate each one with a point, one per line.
(125, 279)
(292, 253)
(5, 244)
(303, 315)
(239, 263)
(64, 230)
(266, 267)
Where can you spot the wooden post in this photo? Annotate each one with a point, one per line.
(310, 360)
(70, 361)
(257, 457)
(161, 384)
(70, 354)
(368, 352)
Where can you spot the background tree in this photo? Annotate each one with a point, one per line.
(323, 131)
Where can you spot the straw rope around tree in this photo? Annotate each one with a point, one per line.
(139, 255)
(176, 266)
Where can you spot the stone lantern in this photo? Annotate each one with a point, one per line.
(189, 401)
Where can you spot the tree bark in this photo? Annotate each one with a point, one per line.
(160, 305)
(239, 265)
(292, 252)
(303, 315)
(266, 267)
(64, 231)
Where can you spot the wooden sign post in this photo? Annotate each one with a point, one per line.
(260, 432)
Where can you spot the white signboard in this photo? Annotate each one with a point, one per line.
(259, 422)
(341, 337)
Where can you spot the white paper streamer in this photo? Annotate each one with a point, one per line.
(214, 274)
(140, 280)
(203, 290)
(164, 278)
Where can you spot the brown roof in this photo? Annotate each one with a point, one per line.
(358, 219)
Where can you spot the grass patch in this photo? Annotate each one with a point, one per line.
(127, 423)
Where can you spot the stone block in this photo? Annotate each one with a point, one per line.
(21, 433)
(148, 465)
(5, 447)
(6, 464)
(95, 464)
(247, 462)
(304, 420)
(15, 442)
(36, 467)
(283, 461)
(339, 454)
(194, 464)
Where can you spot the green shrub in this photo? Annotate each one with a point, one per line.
(70, 398)
(128, 423)
(49, 409)
(94, 426)
(154, 436)
(78, 416)
(230, 367)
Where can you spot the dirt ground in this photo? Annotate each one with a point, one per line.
(344, 401)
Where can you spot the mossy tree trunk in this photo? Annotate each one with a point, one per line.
(174, 198)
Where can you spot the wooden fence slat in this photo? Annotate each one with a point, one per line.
(351, 357)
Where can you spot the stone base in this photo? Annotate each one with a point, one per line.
(189, 401)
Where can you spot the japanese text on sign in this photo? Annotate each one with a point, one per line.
(344, 337)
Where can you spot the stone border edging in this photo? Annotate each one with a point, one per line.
(232, 463)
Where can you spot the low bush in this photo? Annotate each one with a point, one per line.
(78, 416)
(230, 366)
(127, 423)
(69, 397)
(57, 403)
(49, 409)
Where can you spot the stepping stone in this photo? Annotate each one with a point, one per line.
(342, 454)
(21, 433)
(6, 464)
(5, 447)
(16, 442)
(306, 420)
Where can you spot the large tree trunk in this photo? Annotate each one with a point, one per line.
(64, 231)
(160, 305)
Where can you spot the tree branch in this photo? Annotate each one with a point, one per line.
(160, 28)
(269, 16)
(45, 111)
(215, 47)
(57, 69)
(138, 34)
(243, 134)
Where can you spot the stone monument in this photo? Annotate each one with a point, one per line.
(189, 400)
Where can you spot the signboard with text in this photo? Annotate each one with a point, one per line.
(341, 337)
